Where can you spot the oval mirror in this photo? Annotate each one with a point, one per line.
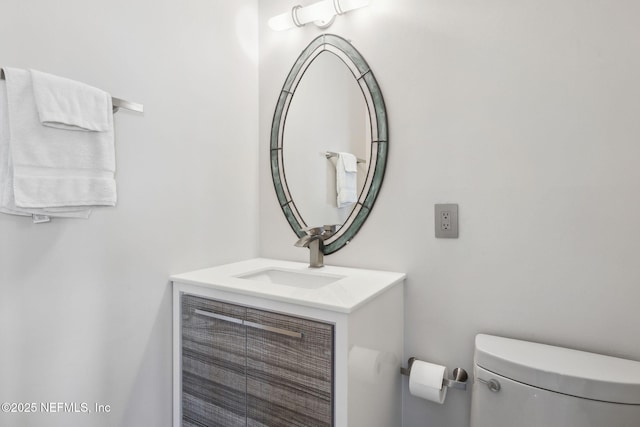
(336, 108)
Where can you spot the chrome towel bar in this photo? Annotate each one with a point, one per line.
(117, 102)
(330, 154)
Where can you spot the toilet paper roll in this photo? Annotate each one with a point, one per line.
(425, 381)
(364, 364)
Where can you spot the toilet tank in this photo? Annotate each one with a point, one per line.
(524, 384)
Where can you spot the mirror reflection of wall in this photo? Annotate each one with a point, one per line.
(327, 113)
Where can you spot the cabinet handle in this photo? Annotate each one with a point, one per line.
(219, 316)
(248, 324)
(260, 326)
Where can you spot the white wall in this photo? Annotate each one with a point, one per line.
(85, 305)
(526, 114)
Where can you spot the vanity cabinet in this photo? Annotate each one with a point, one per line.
(321, 349)
(243, 366)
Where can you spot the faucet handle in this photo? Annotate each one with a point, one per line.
(325, 230)
(314, 231)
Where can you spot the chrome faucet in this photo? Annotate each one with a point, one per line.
(314, 240)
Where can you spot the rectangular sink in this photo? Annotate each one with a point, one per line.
(293, 278)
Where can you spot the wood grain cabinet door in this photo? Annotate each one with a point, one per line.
(213, 363)
(289, 371)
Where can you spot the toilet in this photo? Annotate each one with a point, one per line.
(524, 384)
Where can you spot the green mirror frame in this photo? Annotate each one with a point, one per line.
(343, 49)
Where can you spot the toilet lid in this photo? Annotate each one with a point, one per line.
(576, 373)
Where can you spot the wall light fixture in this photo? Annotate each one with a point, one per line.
(322, 14)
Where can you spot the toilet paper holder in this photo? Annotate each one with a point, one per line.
(458, 381)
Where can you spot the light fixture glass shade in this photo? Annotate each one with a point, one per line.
(321, 13)
(281, 22)
(347, 5)
(318, 12)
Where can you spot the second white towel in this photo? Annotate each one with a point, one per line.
(68, 104)
(346, 179)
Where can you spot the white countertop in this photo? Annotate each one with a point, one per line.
(344, 295)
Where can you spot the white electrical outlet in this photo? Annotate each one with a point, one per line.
(446, 219)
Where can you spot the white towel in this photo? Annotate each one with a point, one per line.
(7, 204)
(7, 199)
(346, 179)
(52, 167)
(71, 105)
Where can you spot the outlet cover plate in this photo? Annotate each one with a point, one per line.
(446, 221)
